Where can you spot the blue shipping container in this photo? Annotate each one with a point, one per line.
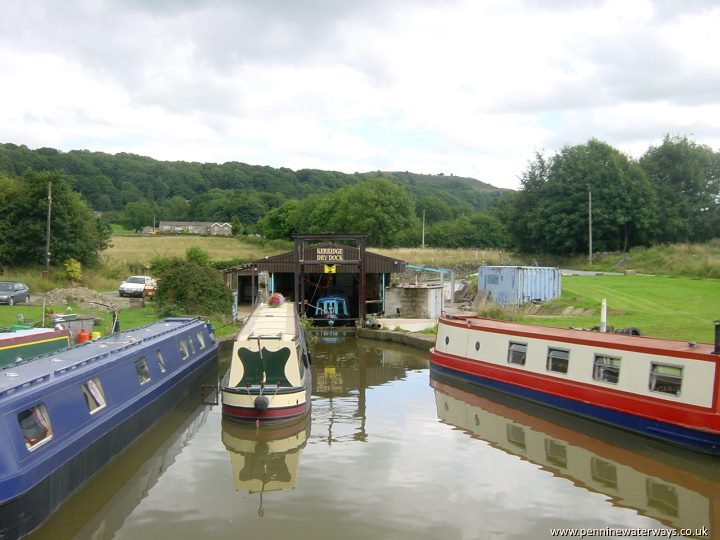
(518, 285)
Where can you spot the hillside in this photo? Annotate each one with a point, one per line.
(110, 181)
(455, 190)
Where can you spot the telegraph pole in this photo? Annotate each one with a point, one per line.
(589, 225)
(46, 273)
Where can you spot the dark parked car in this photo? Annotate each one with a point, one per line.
(12, 292)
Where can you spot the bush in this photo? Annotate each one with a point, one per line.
(261, 242)
(138, 268)
(73, 269)
(197, 255)
(186, 286)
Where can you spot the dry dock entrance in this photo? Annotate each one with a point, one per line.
(333, 277)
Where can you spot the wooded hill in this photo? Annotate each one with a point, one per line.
(585, 198)
(111, 181)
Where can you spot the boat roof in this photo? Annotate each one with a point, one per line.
(24, 332)
(589, 337)
(42, 368)
(270, 322)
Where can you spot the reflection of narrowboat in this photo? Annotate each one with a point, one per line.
(269, 377)
(660, 388)
(266, 458)
(679, 489)
(331, 335)
(25, 343)
(67, 413)
(104, 503)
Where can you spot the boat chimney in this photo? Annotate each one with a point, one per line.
(717, 337)
(603, 316)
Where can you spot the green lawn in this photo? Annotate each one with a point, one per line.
(129, 318)
(676, 308)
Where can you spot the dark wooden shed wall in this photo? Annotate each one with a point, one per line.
(374, 263)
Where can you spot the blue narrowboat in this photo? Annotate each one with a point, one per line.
(332, 308)
(64, 415)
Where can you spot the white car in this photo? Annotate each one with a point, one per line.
(137, 286)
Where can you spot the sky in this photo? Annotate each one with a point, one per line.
(473, 88)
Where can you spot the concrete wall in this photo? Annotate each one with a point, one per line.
(414, 302)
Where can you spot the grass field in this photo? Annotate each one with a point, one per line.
(677, 308)
(436, 257)
(142, 249)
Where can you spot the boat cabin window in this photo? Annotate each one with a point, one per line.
(604, 472)
(606, 368)
(35, 426)
(517, 352)
(558, 360)
(160, 360)
(94, 396)
(666, 379)
(556, 452)
(516, 435)
(201, 339)
(662, 496)
(142, 370)
(184, 351)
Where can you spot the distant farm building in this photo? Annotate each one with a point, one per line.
(195, 227)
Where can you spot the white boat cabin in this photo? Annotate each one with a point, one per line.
(675, 371)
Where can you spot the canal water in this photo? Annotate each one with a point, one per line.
(389, 454)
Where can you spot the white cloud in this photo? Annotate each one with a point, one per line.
(463, 87)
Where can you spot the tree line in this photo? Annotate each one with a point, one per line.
(584, 193)
(138, 190)
(670, 194)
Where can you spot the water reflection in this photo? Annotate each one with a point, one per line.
(101, 507)
(265, 458)
(378, 463)
(343, 371)
(678, 488)
(332, 335)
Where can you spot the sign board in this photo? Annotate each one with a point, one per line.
(330, 254)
